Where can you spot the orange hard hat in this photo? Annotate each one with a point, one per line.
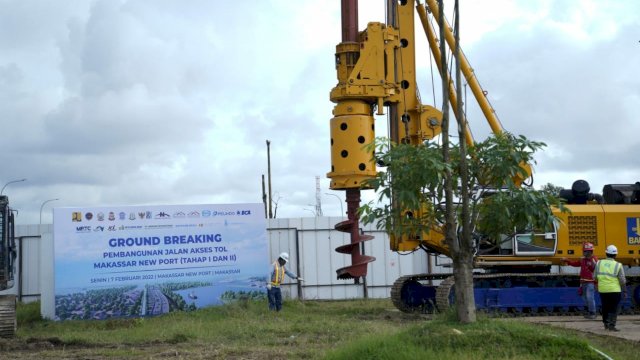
(587, 246)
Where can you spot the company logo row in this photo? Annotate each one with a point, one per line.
(79, 216)
(102, 228)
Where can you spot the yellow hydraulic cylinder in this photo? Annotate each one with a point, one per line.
(352, 129)
(474, 84)
(435, 49)
(468, 73)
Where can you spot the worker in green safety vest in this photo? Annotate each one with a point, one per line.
(609, 275)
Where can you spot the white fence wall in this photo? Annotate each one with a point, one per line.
(28, 275)
(310, 242)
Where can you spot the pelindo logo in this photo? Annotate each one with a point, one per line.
(222, 213)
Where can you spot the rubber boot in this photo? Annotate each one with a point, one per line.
(612, 322)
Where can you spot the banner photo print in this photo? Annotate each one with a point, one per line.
(132, 261)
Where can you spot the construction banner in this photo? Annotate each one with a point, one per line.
(131, 261)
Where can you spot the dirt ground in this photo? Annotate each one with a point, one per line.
(14, 349)
(629, 325)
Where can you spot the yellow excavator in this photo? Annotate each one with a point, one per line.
(376, 69)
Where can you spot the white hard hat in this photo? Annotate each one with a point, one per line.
(284, 256)
(612, 250)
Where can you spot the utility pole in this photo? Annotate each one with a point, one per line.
(339, 201)
(41, 206)
(269, 176)
(264, 197)
(318, 197)
(11, 182)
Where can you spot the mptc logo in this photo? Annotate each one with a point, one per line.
(82, 229)
(633, 225)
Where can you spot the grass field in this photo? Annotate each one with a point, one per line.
(357, 329)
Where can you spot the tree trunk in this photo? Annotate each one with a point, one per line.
(466, 306)
(465, 299)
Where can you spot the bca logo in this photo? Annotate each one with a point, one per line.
(244, 212)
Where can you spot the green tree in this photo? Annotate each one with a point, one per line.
(412, 198)
(551, 189)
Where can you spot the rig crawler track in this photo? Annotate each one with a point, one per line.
(7, 316)
(518, 294)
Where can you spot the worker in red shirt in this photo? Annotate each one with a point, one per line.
(587, 264)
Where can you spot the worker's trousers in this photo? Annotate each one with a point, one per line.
(275, 298)
(588, 295)
(610, 302)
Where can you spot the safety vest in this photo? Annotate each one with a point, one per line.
(278, 275)
(607, 275)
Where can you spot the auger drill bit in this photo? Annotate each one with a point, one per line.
(358, 267)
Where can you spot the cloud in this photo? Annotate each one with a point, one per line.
(565, 81)
(122, 102)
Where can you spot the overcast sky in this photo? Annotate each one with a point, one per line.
(116, 102)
